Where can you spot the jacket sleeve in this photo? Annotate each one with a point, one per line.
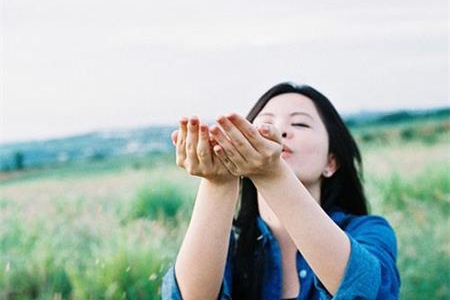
(171, 291)
(371, 272)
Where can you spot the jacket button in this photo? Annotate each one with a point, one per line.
(302, 273)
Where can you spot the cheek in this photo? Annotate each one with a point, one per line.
(313, 144)
(313, 152)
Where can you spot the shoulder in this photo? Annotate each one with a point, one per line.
(357, 223)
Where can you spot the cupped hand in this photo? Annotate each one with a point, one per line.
(194, 151)
(246, 150)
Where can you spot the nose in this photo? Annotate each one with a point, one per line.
(284, 127)
(286, 133)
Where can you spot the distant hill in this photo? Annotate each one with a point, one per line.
(395, 117)
(92, 146)
(105, 144)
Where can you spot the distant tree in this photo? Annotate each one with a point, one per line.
(18, 160)
(367, 137)
(408, 134)
(397, 117)
(97, 156)
(351, 122)
(5, 167)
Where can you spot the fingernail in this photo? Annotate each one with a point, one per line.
(194, 122)
(264, 128)
(231, 116)
(213, 130)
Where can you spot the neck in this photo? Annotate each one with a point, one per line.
(314, 190)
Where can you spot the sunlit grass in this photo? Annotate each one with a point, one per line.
(418, 207)
(162, 200)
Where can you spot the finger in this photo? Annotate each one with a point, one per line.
(270, 132)
(228, 148)
(181, 142)
(237, 138)
(248, 130)
(229, 165)
(192, 140)
(212, 141)
(173, 137)
(204, 148)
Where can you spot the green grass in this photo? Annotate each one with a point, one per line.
(163, 200)
(419, 208)
(78, 255)
(426, 131)
(128, 274)
(102, 236)
(431, 187)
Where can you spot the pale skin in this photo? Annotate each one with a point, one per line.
(286, 149)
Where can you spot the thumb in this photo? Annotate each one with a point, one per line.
(270, 132)
(174, 137)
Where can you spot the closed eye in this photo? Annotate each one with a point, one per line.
(300, 125)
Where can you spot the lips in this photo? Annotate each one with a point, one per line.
(286, 149)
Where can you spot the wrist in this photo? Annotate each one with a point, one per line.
(221, 183)
(221, 189)
(276, 171)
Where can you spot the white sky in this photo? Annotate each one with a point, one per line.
(71, 66)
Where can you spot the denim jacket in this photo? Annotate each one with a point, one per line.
(371, 271)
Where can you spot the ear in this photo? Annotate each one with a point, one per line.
(331, 167)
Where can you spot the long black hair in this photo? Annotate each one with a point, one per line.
(343, 190)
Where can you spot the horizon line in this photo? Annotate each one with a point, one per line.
(172, 124)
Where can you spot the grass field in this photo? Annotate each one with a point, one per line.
(109, 230)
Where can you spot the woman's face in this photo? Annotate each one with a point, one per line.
(305, 138)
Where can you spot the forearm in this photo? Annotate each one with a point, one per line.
(201, 260)
(324, 245)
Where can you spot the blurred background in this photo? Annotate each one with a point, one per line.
(92, 205)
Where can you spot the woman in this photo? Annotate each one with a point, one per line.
(302, 230)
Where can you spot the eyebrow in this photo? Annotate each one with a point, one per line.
(292, 114)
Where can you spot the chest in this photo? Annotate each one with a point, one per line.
(290, 286)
